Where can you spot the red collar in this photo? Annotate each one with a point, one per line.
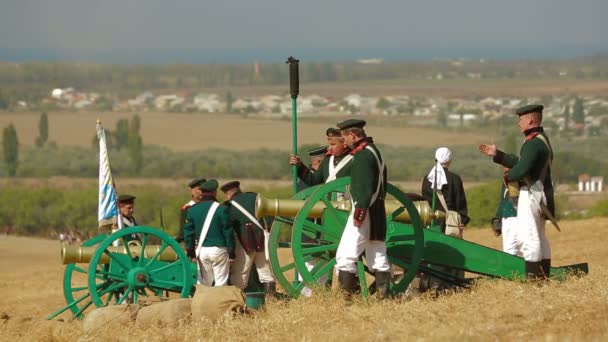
(532, 136)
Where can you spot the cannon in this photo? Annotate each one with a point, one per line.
(303, 241)
(414, 243)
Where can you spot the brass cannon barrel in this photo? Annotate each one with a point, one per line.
(78, 254)
(291, 207)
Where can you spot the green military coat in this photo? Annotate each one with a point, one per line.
(532, 159)
(365, 173)
(250, 236)
(220, 233)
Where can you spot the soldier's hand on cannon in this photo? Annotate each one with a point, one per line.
(294, 160)
(488, 150)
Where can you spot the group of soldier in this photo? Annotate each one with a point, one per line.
(226, 240)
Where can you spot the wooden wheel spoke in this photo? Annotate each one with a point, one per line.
(112, 288)
(287, 267)
(78, 269)
(115, 276)
(320, 249)
(128, 250)
(84, 307)
(165, 267)
(319, 272)
(76, 289)
(109, 298)
(329, 233)
(159, 284)
(158, 253)
(125, 295)
(144, 242)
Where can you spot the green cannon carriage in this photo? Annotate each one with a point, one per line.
(303, 241)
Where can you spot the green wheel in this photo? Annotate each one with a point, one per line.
(75, 285)
(329, 232)
(130, 276)
(281, 263)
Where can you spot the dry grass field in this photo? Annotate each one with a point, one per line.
(577, 309)
(191, 132)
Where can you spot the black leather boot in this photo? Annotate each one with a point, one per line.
(545, 265)
(270, 289)
(347, 282)
(382, 284)
(533, 270)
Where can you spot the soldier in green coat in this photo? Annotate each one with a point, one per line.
(195, 197)
(366, 225)
(209, 236)
(531, 171)
(250, 242)
(337, 161)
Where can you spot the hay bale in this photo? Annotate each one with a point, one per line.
(213, 303)
(109, 316)
(167, 314)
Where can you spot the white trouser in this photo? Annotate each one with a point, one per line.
(215, 265)
(307, 291)
(531, 222)
(239, 275)
(353, 242)
(510, 243)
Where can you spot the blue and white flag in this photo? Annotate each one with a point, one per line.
(108, 209)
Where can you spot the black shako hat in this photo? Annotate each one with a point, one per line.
(333, 132)
(126, 199)
(196, 182)
(351, 123)
(230, 186)
(532, 108)
(209, 186)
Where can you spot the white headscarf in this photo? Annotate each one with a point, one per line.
(442, 155)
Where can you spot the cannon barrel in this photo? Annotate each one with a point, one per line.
(291, 207)
(79, 254)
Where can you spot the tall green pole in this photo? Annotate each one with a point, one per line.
(294, 90)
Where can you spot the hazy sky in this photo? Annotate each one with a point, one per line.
(107, 24)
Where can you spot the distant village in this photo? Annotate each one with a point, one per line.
(423, 110)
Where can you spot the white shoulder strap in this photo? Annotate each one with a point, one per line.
(206, 225)
(333, 170)
(380, 174)
(257, 223)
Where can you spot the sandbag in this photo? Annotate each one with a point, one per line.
(213, 303)
(109, 316)
(167, 314)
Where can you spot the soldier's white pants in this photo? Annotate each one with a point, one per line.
(510, 243)
(307, 291)
(531, 224)
(239, 275)
(356, 240)
(216, 265)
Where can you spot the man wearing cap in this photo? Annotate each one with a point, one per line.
(195, 197)
(250, 244)
(532, 172)
(209, 236)
(335, 163)
(366, 225)
(448, 183)
(126, 207)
